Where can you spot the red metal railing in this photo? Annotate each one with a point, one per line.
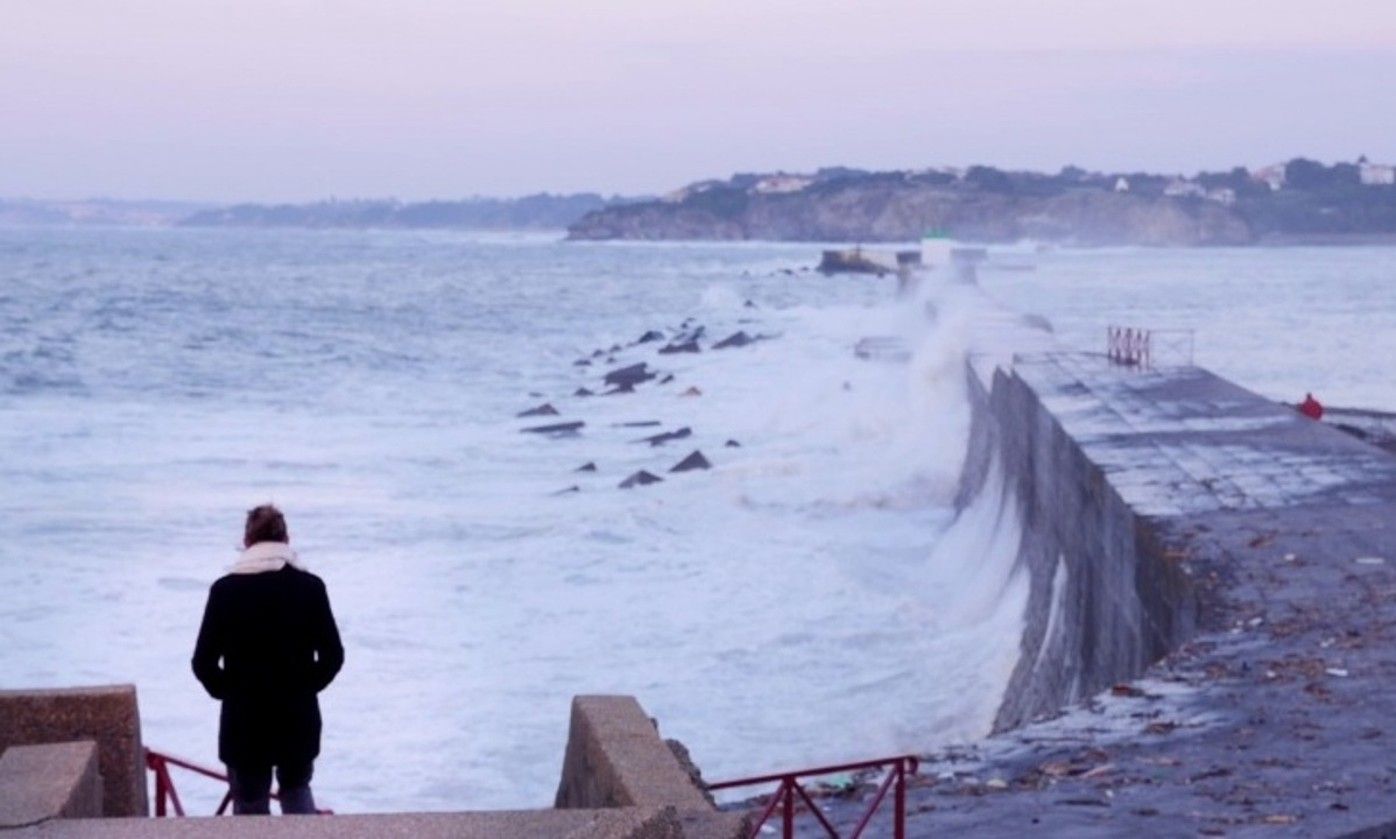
(1127, 345)
(789, 789)
(1136, 347)
(167, 798)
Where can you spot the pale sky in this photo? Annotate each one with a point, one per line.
(271, 100)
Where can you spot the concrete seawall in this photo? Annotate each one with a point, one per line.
(1210, 639)
(1104, 603)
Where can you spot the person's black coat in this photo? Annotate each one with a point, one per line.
(279, 646)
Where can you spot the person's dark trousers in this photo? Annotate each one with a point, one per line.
(251, 789)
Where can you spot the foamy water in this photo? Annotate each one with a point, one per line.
(774, 611)
(801, 602)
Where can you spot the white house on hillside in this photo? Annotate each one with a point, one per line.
(1179, 188)
(1122, 184)
(778, 184)
(1377, 174)
(1222, 195)
(1272, 175)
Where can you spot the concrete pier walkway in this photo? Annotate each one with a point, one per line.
(1261, 548)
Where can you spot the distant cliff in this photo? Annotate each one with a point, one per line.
(533, 212)
(988, 205)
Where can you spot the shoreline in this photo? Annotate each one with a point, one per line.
(1328, 240)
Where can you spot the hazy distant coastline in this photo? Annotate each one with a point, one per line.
(1296, 202)
(1300, 201)
(533, 212)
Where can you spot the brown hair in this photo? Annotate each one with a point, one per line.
(264, 524)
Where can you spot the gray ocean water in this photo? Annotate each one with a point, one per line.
(785, 607)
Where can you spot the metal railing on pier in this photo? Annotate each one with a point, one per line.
(167, 799)
(789, 795)
(1134, 347)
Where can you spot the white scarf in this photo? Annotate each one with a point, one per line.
(265, 556)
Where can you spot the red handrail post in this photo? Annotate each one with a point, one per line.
(899, 814)
(789, 831)
(170, 790)
(153, 764)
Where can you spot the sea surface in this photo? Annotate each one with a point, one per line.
(794, 604)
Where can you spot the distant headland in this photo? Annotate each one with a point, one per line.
(1295, 202)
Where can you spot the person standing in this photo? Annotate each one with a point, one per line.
(267, 646)
(1311, 407)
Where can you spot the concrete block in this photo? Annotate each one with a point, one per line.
(49, 781)
(615, 758)
(106, 714)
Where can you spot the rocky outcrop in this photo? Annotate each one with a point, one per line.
(882, 210)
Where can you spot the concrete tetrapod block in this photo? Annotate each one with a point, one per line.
(49, 781)
(106, 714)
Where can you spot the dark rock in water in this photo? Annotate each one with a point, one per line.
(581, 391)
(589, 466)
(736, 339)
(573, 488)
(640, 479)
(652, 335)
(557, 428)
(732, 444)
(631, 375)
(693, 461)
(636, 424)
(544, 410)
(667, 379)
(686, 346)
(693, 391)
(661, 439)
(582, 362)
(611, 360)
(535, 394)
(618, 389)
(749, 304)
(598, 353)
(616, 348)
